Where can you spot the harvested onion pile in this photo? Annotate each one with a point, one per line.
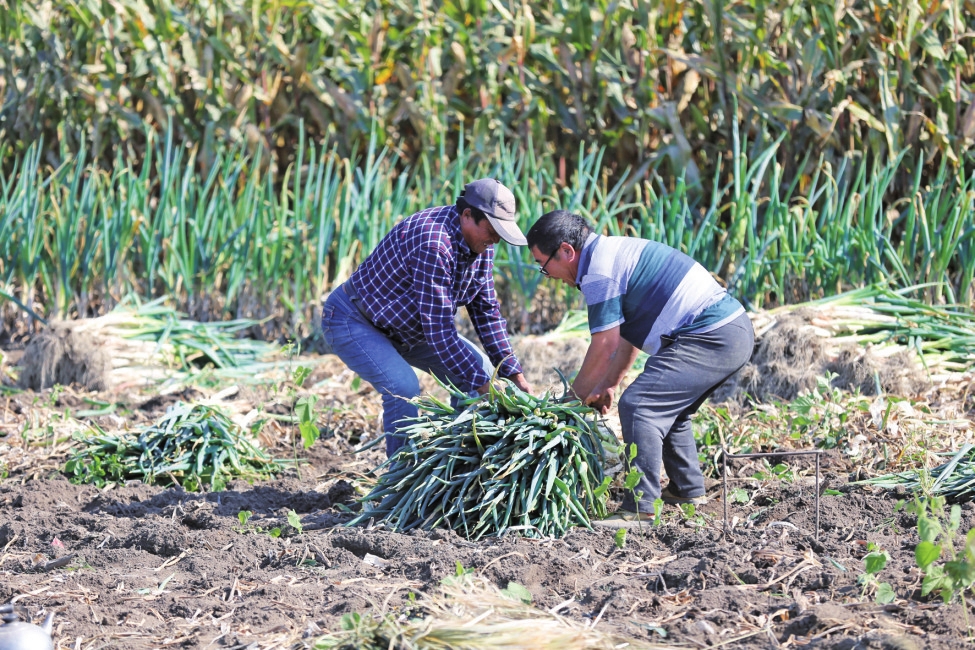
(502, 462)
(953, 480)
(192, 445)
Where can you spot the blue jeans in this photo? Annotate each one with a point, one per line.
(656, 409)
(383, 361)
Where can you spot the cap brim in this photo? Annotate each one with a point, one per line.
(508, 231)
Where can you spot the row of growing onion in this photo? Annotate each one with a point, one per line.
(250, 241)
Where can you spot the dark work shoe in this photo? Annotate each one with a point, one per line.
(675, 499)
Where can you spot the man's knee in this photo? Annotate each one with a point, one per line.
(399, 386)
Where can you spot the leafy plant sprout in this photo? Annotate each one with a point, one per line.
(937, 530)
(632, 479)
(303, 412)
(873, 563)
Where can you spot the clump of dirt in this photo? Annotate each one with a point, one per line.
(859, 368)
(62, 354)
(785, 358)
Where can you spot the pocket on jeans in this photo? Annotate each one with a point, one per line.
(327, 312)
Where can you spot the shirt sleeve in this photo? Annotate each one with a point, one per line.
(431, 281)
(491, 327)
(604, 303)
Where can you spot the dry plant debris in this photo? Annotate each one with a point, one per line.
(467, 611)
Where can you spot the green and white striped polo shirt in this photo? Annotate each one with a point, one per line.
(649, 289)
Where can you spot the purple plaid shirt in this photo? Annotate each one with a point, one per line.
(415, 279)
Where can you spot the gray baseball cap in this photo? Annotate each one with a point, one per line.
(498, 203)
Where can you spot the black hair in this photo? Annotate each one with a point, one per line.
(555, 227)
(462, 205)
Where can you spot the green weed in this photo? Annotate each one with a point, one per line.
(873, 563)
(938, 530)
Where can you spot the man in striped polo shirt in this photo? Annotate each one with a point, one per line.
(396, 311)
(644, 295)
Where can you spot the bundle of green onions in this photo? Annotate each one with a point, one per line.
(191, 445)
(505, 461)
(954, 480)
(942, 335)
(187, 342)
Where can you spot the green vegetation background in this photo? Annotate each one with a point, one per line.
(241, 156)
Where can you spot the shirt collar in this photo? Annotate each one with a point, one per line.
(585, 257)
(463, 249)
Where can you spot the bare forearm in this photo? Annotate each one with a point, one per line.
(619, 365)
(593, 369)
(597, 364)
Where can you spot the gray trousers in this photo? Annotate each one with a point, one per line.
(656, 409)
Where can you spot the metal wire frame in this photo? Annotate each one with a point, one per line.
(724, 477)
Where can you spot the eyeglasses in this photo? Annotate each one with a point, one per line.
(541, 269)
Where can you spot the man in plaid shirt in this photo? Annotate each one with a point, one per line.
(396, 311)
